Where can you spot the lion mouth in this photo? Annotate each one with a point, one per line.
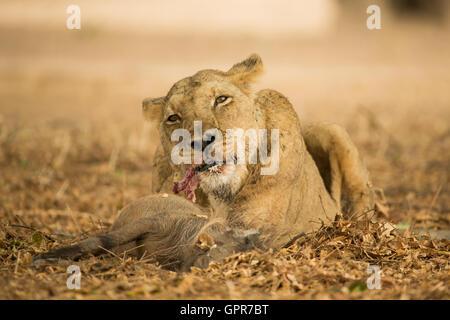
(211, 167)
(191, 178)
(216, 167)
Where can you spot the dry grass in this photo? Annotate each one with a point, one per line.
(74, 150)
(73, 182)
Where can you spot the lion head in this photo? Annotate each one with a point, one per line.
(206, 110)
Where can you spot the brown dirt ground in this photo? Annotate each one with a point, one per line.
(74, 150)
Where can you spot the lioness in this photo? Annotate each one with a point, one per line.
(318, 174)
(320, 171)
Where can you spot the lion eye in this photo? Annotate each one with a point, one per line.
(173, 118)
(220, 99)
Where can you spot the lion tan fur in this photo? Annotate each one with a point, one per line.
(320, 172)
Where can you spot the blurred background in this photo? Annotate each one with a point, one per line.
(71, 131)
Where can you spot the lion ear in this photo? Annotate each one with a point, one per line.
(247, 71)
(152, 108)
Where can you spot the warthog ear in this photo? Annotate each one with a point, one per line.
(205, 241)
(152, 108)
(246, 71)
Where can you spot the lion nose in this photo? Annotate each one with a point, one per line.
(203, 143)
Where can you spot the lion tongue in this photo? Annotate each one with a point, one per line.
(189, 183)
